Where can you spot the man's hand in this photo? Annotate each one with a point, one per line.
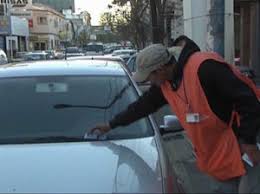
(102, 128)
(252, 151)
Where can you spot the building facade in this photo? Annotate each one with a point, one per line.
(58, 5)
(46, 26)
(81, 26)
(231, 28)
(14, 31)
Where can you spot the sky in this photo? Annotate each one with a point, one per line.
(94, 7)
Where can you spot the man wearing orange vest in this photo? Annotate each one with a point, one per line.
(216, 105)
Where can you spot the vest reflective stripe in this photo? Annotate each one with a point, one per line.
(214, 141)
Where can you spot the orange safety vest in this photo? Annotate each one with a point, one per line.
(215, 144)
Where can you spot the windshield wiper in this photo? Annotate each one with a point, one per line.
(86, 138)
(58, 139)
(63, 106)
(48, 139)
(118, 96)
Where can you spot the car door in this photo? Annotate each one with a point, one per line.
(179, 150)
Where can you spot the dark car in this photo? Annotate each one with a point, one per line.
(94, 49)
(73, 52)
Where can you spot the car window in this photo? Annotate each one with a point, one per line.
(72, 50)
(132, 64)
(37, 112)
(95, 48)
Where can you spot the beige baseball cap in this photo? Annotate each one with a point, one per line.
(151, 58)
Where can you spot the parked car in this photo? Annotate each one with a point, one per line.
(44, 144)
(131, 63)
(3, 57)
(51, 54)
(73, 52)
(20, 55)
(104, 58)
(36, 56)
(94, 49)
(59, 54)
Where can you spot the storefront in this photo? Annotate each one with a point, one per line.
(20, 30)
(44, 42)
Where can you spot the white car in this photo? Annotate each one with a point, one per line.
(46, 109)
(3, 57)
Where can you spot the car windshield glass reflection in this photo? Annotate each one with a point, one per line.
(39, 107)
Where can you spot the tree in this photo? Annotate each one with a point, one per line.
(156, 19)
(83, 38)
(135, 23)
(107, 38)
(158, 14)
(108, 19)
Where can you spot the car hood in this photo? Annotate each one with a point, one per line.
(126, 166)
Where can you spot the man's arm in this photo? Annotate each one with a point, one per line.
(147, 104)
(218, 77)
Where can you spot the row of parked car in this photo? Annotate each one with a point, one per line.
(128, 55)
(89, 50)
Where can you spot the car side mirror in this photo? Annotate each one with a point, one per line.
(171, 125)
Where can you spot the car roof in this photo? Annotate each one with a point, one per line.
(72, 47)
(98, 57)
(125, 50)
(42, 53)
(98, 43)
(62, 67)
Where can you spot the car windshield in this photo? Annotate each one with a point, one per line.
(72, 50)
(95, 48)
(65, 107)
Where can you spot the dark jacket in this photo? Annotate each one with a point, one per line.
(222, 89)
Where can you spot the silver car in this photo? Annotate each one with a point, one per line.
(46, 109)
